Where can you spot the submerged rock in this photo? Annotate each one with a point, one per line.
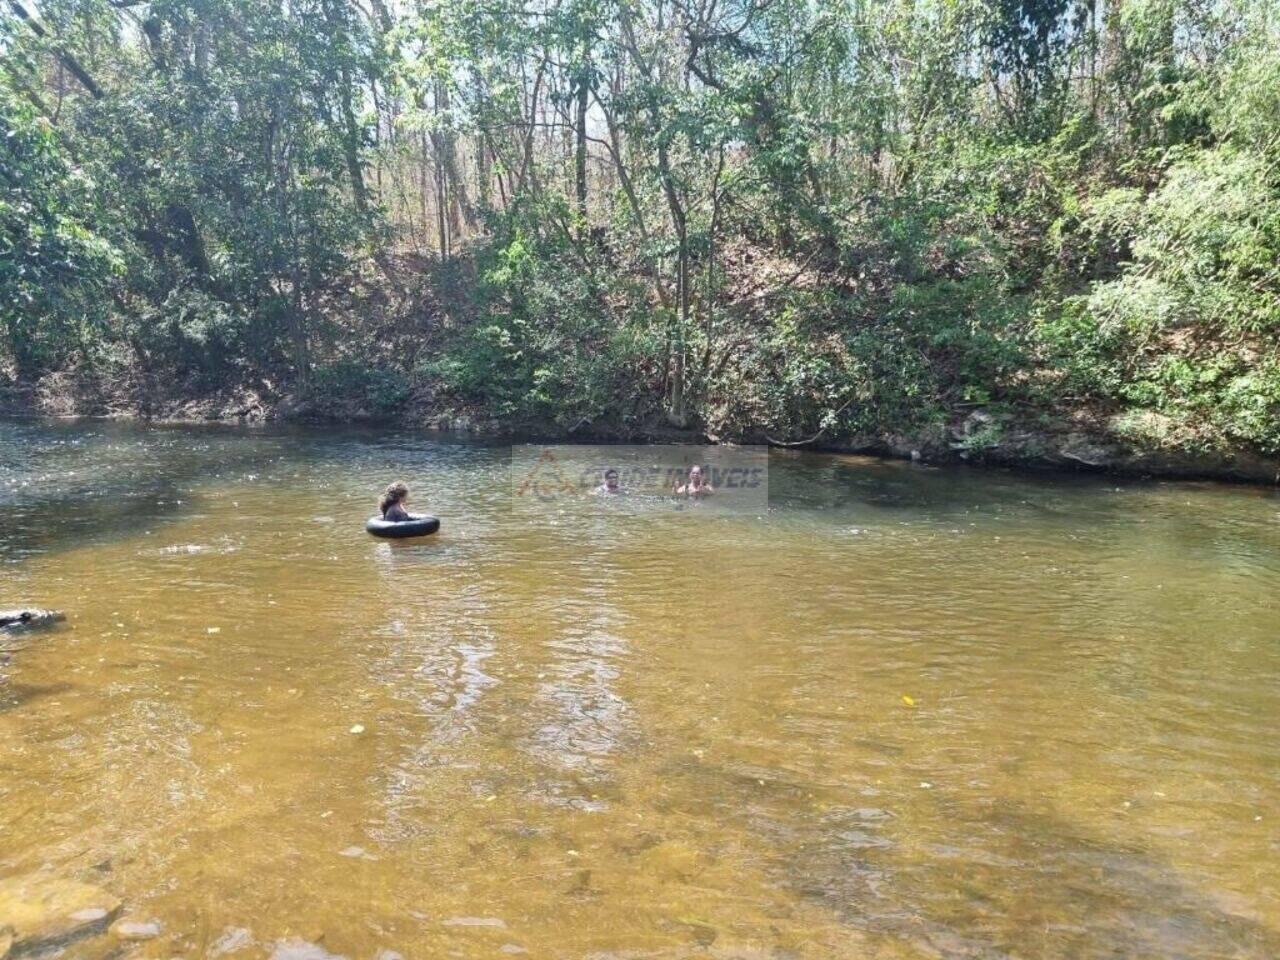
(136, 930)
(672, 860)
(43, 913)
(90, 915)
(232, 940)
(33, 617)
(302, 950)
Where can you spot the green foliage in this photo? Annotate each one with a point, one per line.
(832, 365)
(225, 164)
(811, 220)
(1206, 250)
(1189, 328)
(55, 269)
(376, 391)
(546, 345)
(1249, 102)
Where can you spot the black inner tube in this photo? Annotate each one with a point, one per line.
(418, 525)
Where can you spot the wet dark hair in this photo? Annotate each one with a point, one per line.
(611, 472)
(394, 493)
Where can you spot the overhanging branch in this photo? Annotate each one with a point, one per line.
(68, 60)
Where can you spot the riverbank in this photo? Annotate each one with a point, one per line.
(1086, 440)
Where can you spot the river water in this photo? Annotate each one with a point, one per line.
(903, 712)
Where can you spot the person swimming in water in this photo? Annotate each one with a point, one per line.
(393, 502)
(611, 484)
(696, 486)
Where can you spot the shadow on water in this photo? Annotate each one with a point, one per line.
(1025, 882)
(64, 484)
(1043, 887)
(66, 520)
(15, 642)
(827, 482)
(15, 695)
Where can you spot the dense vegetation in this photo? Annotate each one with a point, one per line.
(753, 217)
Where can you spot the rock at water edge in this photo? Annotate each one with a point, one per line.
(46, 912)
(136, 930)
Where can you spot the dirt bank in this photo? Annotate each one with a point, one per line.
(1076, 440)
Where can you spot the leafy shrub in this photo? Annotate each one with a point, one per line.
(1206, 250)
(378, 390)
(55, 266)
(551, 342)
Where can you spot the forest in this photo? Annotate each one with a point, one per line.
(789, 220)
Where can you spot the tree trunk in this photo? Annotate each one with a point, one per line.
(20, 347)
(580, 148)
(676, 413)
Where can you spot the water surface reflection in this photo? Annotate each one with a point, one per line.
(907, 713)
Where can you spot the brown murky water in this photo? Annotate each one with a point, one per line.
(907, 713)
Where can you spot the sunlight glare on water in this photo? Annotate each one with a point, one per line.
(906, 712)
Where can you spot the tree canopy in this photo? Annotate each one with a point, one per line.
(776, 218)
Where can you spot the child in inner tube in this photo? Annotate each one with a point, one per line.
(393, 502)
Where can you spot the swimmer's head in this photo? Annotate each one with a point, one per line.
(397, 492)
